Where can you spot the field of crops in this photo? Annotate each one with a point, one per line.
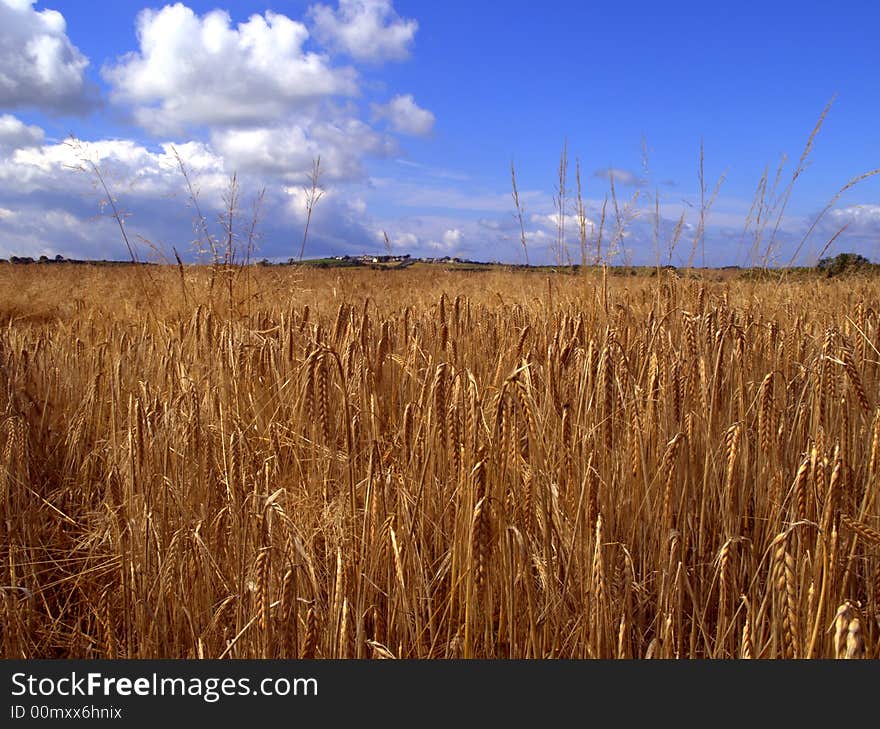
(280, 462)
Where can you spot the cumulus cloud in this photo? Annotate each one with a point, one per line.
(571, 223)
(401, 242)
(46, 231)
(859, 219)
(202, 70)
(39, 66)
(447, 235)
(367, 30)
(621, 177)
(287, 152)
(257, 97)
(15, 134)
(60, 207)
(67, 168)
(452, 239)
(50, 202)
(405, 115)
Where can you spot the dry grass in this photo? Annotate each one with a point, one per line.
(422, 464)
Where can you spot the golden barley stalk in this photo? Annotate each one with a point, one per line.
(731, 441)
(106, 622)
(261, 571)
(747, 648)
(323, 397)
(785, 590)
(800, 488)
(868, 534)
(765, 414)
(480, 524)
(724, 569)
(480, 541)
(855, 379)
(875, 446)
(667, 468)
(845, 614)
(311, 641)
(288, 627)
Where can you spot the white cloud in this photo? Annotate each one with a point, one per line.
(452, 238)
(59, 206)
(401, 243)
(571, 223)
(14, 133)
(859, 219)
(287, 152)
(200, 70)
(340, 224)
(621, 177)
(37, 230)
(447, 235)
(405, 115)
(367, 30)
(256, 97)
(130, 168)
(39, 66)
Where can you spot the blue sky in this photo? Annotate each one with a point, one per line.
(418, 108)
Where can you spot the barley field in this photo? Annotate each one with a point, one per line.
(291, 463)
